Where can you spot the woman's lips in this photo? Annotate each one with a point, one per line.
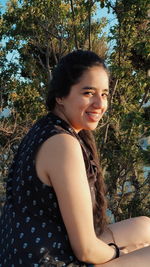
(93, 116)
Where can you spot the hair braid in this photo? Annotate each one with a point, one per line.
(99, 209)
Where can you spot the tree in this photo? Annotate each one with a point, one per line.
(126, 123)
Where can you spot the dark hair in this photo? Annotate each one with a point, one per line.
(67, 73)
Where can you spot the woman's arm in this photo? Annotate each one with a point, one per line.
(61, 161)
(138, 258)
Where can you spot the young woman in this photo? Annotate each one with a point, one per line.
(55, 209)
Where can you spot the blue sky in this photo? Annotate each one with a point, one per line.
(3, 3)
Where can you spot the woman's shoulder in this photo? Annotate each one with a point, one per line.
(51, 134)
(63, 142)
(56, 156)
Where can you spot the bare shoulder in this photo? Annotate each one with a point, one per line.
(61, 140)
(58, 152)
(58, 145)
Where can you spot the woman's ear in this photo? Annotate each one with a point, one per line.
(59, 100)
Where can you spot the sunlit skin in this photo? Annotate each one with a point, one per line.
(87, 101)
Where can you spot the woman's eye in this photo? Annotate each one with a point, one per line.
(105, 95)
(88, 93)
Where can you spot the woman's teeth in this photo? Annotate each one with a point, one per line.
(95, 115)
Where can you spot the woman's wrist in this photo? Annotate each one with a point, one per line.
(116, 249)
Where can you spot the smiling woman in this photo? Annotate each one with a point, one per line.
(55, 211)
(87, 100)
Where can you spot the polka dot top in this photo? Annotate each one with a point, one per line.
(32, 232)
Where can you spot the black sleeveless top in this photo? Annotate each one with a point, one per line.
(32, 232)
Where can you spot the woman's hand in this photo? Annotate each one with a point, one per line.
(128, 249)
(123, 251)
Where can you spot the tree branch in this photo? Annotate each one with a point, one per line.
(89, 22)
(74, 27)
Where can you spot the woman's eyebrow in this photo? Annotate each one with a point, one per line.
(89, 87)
(94, 88)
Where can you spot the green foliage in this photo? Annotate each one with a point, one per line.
(127, 121)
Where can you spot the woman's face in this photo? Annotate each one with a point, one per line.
(87, 100)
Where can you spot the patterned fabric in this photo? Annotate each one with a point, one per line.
(32, 232)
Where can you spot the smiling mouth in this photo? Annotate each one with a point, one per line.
(94, 116)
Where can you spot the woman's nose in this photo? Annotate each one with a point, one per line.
(99, 102)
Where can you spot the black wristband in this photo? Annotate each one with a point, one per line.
(116, 248)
